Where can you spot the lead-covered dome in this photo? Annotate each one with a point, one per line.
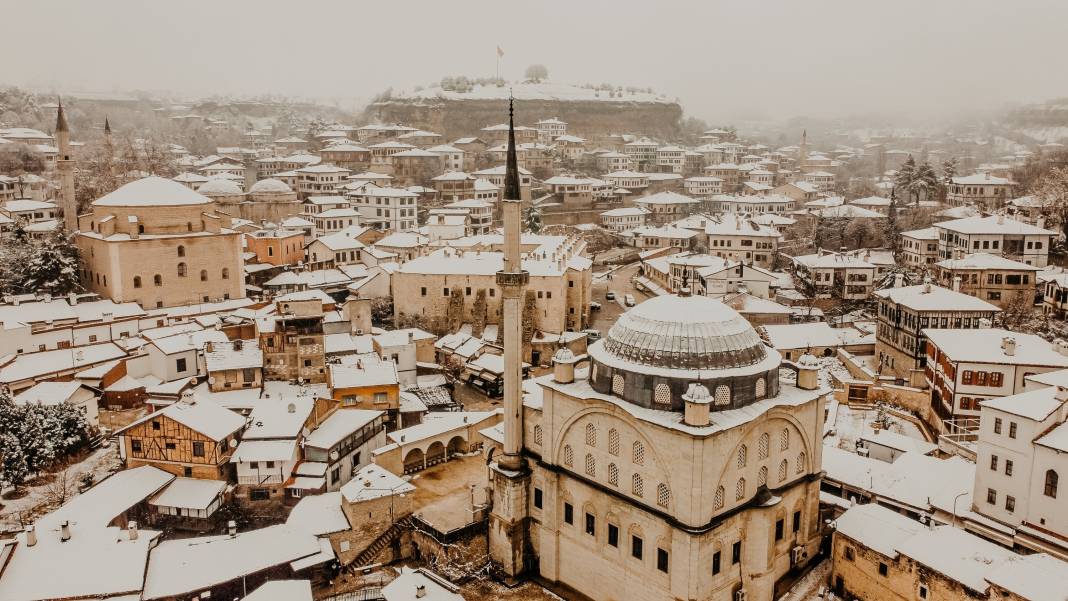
(657, 350)
(218, 186)
(270, 186)
(685, 332)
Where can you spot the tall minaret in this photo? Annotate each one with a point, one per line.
(107, 132)
(65, 165)
(510, 476)
(802, 150)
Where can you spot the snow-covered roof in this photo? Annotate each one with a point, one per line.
(31, 365)
(1035, 405)
(185, 565)
(208, 419)
(877, 527)
(189, 493)
(927, 233)
(986, 261)
(49, 393)
(802, 336)
(365, 370)
(339, 425)
(225, 356)
(373, 482)
(984, 345)
(282, 590)
(272, 418)
(319, 515)
(151, 192)
(992, 224)
(934, 298)
(420, 585)
(982, 179)
(270, 185)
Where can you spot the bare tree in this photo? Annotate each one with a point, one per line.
(537, 73)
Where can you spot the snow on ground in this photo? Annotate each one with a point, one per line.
(851, 423)
(36, 501)
(808, 587)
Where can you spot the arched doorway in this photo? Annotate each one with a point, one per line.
(456, 445)
(435, 454)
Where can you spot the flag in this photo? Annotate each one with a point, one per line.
(500, 52)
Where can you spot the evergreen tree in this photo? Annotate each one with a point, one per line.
(924, 182)
(905, 174)
(533, 220)
(13, 469)
(53, 267)
(891, 228)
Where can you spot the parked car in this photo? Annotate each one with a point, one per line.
(592, 335)
(610, 295)
(595, 306)
(628, 300)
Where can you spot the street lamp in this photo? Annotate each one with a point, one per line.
(955, 499)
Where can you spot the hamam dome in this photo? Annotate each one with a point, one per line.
(656, 350)
(152, 192)
(270, 186)
(219, 186)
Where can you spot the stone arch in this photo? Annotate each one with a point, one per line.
(414, 461)
(457, 444)
(435, 453)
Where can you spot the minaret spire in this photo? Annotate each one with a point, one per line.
(511, 173)
(65, 166)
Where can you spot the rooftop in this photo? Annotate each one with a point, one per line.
(151, 192)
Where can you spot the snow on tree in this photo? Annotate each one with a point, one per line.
(52, 266)
(891, 228)
(924, 182)
(537, 73)
(13, 468)
(905, 173)
(532, 217)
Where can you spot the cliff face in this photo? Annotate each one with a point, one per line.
(591, 119)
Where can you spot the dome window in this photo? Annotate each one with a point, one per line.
(739, 489)
(723, 395)
(762, 476)
(800, 467)
(743, 456)
(613, 474)
(537, 434)
(663, 495)
(783, 469)
(662, 394)
(569, 456)
(618, 384)
(717, 503)
(591, 466)
(638, 452)
(761, 390)
(762, 447)
(591, 435)
(637, 486)
(784, 439)
(613, 441)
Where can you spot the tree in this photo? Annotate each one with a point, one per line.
(857, 232)
(924, 182)
(13, 468)
(949, 171)
(891, 229)
(532, 217)
(537, 73)
(905, 174)
(53, 268)
(1051, 190)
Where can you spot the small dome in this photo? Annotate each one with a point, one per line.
(808, 360)
(564, 355)
(270, 185)
(697, 393)
(219, 187)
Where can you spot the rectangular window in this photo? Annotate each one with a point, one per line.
(1010, 503)
(883, 569)
(662, 560)
(997, 425)
(1012, 429)
(170, 446)
(613, 535)
(569, 513)
(966, 377)
(716, 561)
(980, 378)
(591, 525)
(198, 448)
(135, 445)
(850, 554)
(993, 463)
(780, 528)
(537, 498)
(335, 475)
(422, 291)
(797, 521)
(991, 496)
(1008, 467)
(636, 547)
(259, 494)
(736, 553)
(179, 364)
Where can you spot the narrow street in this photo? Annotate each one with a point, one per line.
(620, 283)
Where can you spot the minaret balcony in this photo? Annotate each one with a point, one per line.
(506, 278)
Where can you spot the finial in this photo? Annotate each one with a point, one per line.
(61, 118)
(107, 125)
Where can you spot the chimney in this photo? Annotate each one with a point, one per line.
(927, 285)
(1008, 344)
(1001, 218)
(411, 336)
(698, 406)
(291, 408)
(1040, 222)
(131, 529)
(72, 299)
(956, 283)
(31, 535)
(64, 531)
(808, 369)
(231, 528)
(899, 280)
(420, 591)
(107, 316)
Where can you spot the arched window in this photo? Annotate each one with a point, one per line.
(181, 251)
(663, 495)
(613, 441)
(784, 439)
(537, 434)
(569, 456)
(636, 485)
(723, 395)
(189, 226)
(1050, 487)
(203, 275)
(762, 476)
(613, 474)
(591, 435)
(743, 456)
(157, 280)
(717, 503)
(591, 465)
(137, 281)
(762, 448)
(739, 490)
(226, 273)
(181, 270)
(800, 467)
(618, 385)
(662, 394)
(783, 468)
(761, 388)
(638, 452)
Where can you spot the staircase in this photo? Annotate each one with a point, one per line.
(381, 542)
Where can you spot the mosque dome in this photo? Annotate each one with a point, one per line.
(151, 192)
(270, 186)
(219, 187)
(657, 350)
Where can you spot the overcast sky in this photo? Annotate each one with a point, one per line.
(769, 59)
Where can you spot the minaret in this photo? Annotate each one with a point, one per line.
(65, 166)
(107, 132)
(510, 476)
(802, 150)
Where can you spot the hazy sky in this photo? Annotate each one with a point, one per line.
(770, 58)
